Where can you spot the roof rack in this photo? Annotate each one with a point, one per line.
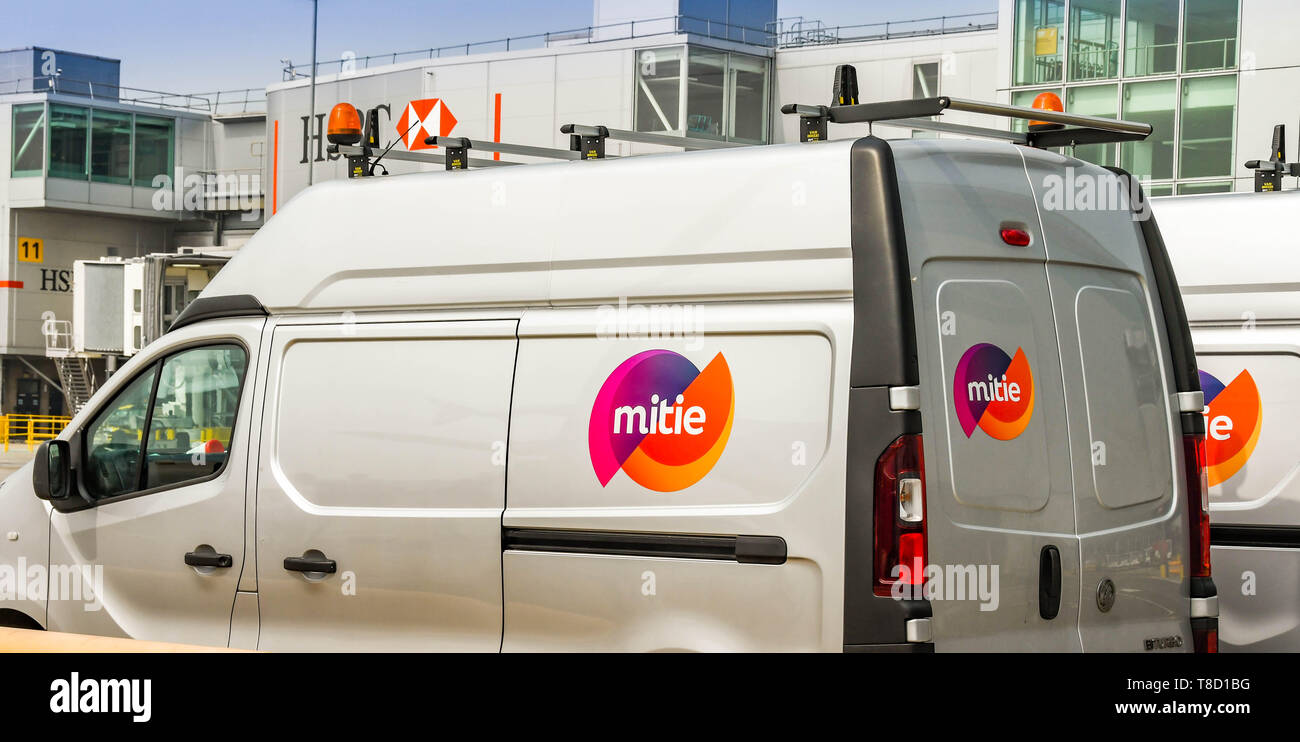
(1047, 128)
(585, 143)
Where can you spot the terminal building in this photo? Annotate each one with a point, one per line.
(94, 170)
(1209, 75)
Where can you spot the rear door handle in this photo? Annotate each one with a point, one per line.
(310, 564)
(1049, 582)
(208, 559)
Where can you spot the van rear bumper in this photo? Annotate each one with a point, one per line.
(908, 648)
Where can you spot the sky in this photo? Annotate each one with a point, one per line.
(204, 46)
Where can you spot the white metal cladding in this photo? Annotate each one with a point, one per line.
(1236, 255)
(754, 222)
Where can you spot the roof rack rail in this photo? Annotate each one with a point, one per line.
(585, 143)
(1048, 128)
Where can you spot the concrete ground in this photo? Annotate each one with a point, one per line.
(13, 459)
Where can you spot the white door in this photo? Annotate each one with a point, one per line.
(162, 460)
(381, 483)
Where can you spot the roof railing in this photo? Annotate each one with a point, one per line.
(673, 24)
(796, 32)
(248, 100)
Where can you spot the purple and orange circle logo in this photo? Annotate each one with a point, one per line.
(1233, 416)
(661, 420)
(993, 391)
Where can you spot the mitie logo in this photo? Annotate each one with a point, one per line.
(1233, 417)
(661, 420)
(993, 391)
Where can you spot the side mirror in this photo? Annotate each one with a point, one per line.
(51, 470)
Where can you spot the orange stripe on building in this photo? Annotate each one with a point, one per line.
(275, 169)
(11, 284)
(496, 126)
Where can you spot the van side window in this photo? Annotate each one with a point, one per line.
(193, 414)
(113, 439)
(190, 417)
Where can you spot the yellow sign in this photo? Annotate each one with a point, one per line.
(1045, 41)
(31, 250)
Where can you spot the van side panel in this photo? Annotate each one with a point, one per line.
(1253, 424)
(778, 476)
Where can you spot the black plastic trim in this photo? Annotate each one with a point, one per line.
(742, 549)
(218, 307)
(903, 648)
(883, 355)
(1269, 537)
(884, 330)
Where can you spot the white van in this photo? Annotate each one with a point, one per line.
(700, 401)
(1238, 259)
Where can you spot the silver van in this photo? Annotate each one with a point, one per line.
(1238, 259)
(854, 395)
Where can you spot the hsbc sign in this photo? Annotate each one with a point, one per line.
(422, 119)
(419, 120)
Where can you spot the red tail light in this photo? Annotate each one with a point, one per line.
(1206, 640)
(1198, 505)
(900, 547)
(1015, 237)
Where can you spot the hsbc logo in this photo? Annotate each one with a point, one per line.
(419, 120)
(422, 119)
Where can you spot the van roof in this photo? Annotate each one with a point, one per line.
(754, 222)
(1234, 253)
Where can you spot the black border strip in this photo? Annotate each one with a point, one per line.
(1271, 537)
(742, 549)
(217, 307)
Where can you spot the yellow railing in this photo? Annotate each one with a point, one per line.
(30, 429)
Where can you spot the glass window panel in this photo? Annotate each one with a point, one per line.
(69, 135)
(1215, 186)
(704, 93)
(1026, 98)
(153, 148)
(748, 98)
(925, 80)
(193, 414)
(1150, 37)
(1038, 30)
(1160, 189)
(110, 147)
(1205, 133)
(1094, 100)
(1094, 39)
(1152, 103)
(1209, 35)
(28, 145)
(658, 89)
(113, 440)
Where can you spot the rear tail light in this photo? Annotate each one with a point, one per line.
(1205, 635)
(1198, 505)
(900, 546)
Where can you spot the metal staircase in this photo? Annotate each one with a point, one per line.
(77, 379)
(76, 375)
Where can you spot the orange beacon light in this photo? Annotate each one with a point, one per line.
(1047, 101)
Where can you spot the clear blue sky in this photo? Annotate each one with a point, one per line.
(205, 45)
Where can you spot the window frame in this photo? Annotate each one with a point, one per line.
(156, 364)
(44, 119)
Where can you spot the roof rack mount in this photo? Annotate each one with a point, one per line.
(1063, 130)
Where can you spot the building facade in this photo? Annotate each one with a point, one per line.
(91, 170)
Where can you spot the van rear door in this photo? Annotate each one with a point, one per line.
(1125, 434)
(999, 490)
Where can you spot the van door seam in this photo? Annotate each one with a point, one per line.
(1060, 359)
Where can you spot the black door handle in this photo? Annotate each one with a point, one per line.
(208, 559)
(1049, 582)
(310, 564)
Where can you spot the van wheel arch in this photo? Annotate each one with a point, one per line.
(14, 619)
